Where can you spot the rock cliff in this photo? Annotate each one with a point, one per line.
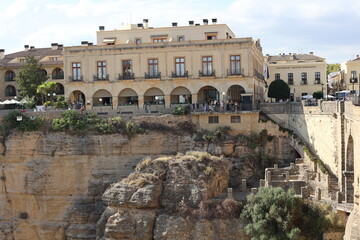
(164, 198)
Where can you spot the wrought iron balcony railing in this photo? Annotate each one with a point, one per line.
(101, 77)
(127, 76)
(207, 74)
(76, 78)
(178, 75)
(154, 75)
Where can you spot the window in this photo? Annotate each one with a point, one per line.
(157, 40)
(277, 76)
(235, 65)
(317, 76)
(353, 78)
(211, 36)
(137, 40)
(101, 70)
(303, 78)
(127, 69)
(181, 38)
(9, 76)
(153, 68)
(304, 94)
(235, 119)
(207, 66)
(213, 119)
(76, 71)
(180, 66)
(58, 73)
(22, 60)
(290, 77)
(10, 91)
(55, 59)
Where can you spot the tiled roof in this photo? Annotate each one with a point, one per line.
(294, 57)
(37, 52)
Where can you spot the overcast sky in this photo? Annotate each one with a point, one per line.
(329, 28)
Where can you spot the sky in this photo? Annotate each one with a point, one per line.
(329, 28)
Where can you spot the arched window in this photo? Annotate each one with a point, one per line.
(10, 91)
(9, 76)
(58, 73)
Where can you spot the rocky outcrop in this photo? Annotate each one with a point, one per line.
(150, 203)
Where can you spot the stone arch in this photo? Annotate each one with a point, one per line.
(180, 95)
(10, 91)
(207, 94)
(77, 99)
(154, 96)
(102, 97)
(57, 73)
(9, 76)
(234, 93)
(59, 89)
(128, 96)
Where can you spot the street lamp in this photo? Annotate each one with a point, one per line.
(322, 90)
(100, 99)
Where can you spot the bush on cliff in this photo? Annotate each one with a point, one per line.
(275, 214)
(18, 121)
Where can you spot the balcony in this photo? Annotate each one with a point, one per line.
(101, 78)
(207, 74)
(258, 75)
(235, 73)
(290, 82)
(76, 78)
(57, 77)
(178, 75)
(127, 76)
(303, 82)
(9, 79)
(153, 76)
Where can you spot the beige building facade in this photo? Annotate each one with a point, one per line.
(350, 73)
(139, 68)
(50, 59)
(304, 73)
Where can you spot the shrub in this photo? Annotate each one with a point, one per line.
(10, 121)
(60, 104)
(181, 110)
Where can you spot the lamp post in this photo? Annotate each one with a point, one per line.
(322, 90)
(100, 99)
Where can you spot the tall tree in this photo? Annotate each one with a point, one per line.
(279, 89)
(30, 76)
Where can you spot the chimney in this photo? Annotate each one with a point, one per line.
(214, 20)
(84, 43)
(191, 23)
(90, 44)
(60, 46)
(146, 23)
(140, 25)
(26, 47)
(290, 53)
(2, 53)
(197, 24)
(101, 28)
(54, 46)
(311, 52)
(32, 48)
(205, 21)
(174, 24)
(267, 55)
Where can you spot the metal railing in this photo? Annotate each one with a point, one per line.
(234, 73)
(101, 78)
(58, 77)
(207, 74)
(126, 76)
(177, 75)
(154, 75)
(76, 78)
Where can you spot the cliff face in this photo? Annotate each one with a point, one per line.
(51, 184)
(163, 199)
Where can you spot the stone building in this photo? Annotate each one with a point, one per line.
(50, 59)
(350, 73)
(137, 68)
(305, 73)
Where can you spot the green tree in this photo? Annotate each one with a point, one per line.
(45, 88)
(30, 76)
(318, 94)
(279, 89)
(333, 67)
(275, 214)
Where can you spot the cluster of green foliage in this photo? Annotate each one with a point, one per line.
(316, 160)
(181, 110)
(44, 89)
(30, 76)
(279, 89)
(254, 139)
(220, 134)
(276, 214)
(334, 67)
(318, 94)
(11, 122)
